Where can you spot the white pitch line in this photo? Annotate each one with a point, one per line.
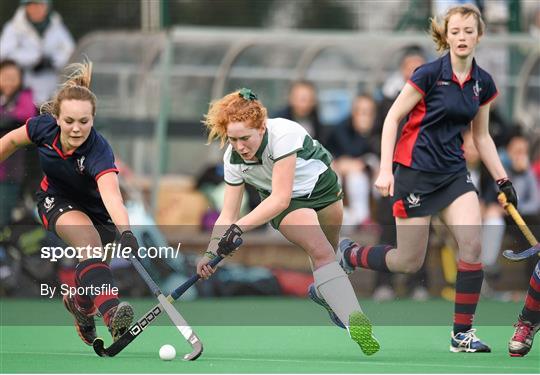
(366, 363)
(305, 361)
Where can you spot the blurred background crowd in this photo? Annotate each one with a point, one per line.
(333, 66)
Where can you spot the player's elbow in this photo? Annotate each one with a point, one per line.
(282, 201)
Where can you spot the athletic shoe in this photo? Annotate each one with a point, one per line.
(84, 320)
(120, 319)
(344, 244)
(312, 293)
(360, 331)
(522, 341)
(467, 342)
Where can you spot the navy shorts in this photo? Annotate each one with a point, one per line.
(418, 193)
(52, 206)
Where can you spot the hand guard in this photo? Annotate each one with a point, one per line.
(230, 240)
(506, 187)
(127, 239)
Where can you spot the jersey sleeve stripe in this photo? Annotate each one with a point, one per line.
(416, 87)
(287, 154)
(232, 184)
(105, 172)
(490, 99)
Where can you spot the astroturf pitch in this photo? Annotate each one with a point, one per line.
(264, 335)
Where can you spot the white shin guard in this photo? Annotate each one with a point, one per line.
(332, 283)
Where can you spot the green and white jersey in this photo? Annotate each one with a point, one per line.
(282, 138)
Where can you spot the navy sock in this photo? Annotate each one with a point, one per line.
(531, 309)
(370, 257)
(468, 284)
(95, 273)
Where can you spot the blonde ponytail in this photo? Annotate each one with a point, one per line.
(76, 87)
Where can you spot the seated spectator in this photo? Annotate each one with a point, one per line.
(412, 59)
(302, 108)
(521, 174)
(16, 106)
(37, 39)
(354, 147)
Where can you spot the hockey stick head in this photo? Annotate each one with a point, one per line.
(196, 353)
(99, 347)
(513, 256)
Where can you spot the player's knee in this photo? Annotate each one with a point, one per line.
(411, 265)
(471, 247)
(322, 256)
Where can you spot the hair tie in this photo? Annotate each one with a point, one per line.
(247, 94)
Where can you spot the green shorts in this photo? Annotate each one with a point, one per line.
(327, 191)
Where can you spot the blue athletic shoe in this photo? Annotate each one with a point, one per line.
(312, 293)
(467, 342)
(344, 244)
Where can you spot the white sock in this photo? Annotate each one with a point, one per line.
(492, 237)
(332, 283)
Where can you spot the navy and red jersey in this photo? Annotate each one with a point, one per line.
(431, 139)
(72, 175)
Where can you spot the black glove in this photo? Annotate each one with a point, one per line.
(43, 64)
(127, 239)
(230, 240)
(506, 187)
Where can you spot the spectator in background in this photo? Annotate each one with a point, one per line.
(522, 175)
(534, 28)
(412, 58)
(535, 159)
(16, 106)
(441, 6)
(302, 108)
(354, 147)
(37, 39)
(520, 171)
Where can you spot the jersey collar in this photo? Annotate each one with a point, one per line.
(448, 74)
(57, 145)
(237, 159)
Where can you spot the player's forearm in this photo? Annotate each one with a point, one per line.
(7, 147)
(488, 153)
(263, 213)
(118, 213)
(388, 142)
(12, 141)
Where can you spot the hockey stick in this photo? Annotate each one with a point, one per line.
(535, 249)
(165, 304)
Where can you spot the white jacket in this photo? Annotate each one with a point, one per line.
(21, 42)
